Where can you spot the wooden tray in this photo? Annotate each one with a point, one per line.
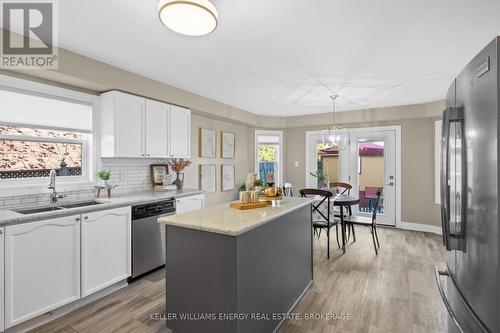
(250, 205)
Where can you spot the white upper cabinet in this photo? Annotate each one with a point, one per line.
(42, 267)
(157, 138)
(180, 132)
(106, 248)
(122, 125)
(133, 126)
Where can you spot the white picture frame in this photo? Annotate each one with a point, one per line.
(207, 143)
(208, 178)
(227, 177)
(227, 145)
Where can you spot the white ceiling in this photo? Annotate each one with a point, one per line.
(285, 57)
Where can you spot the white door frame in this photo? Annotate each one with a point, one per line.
(345, 164)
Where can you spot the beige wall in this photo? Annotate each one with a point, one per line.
(242, 162)
(417, 161)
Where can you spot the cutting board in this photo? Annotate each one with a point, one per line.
(250, 205)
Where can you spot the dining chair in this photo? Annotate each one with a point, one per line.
(371, 195)
(287, 190)
(341, 188)
(355, 220)
(322, 217)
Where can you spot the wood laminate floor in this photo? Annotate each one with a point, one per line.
(392, 292)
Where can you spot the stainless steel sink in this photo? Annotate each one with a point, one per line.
(81, 204)
(38, 210)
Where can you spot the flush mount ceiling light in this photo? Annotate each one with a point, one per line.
(188, 17)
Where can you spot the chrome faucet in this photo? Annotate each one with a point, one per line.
(52, 186)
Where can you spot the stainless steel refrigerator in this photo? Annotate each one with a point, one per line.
(469, 196)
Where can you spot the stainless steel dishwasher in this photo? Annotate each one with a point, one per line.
(148, 236)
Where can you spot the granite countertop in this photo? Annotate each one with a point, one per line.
(225, 220)
(9, 217)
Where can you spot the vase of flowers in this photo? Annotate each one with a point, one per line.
(178, 165)
(104, 176)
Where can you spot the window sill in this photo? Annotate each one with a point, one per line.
(9, 190)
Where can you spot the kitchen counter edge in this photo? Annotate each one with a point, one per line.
(10, 217)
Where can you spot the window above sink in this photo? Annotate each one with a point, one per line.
(43, 127)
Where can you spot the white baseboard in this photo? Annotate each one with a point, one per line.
(51, 315)
(420, 227)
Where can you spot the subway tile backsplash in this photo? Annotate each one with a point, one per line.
(130, 174)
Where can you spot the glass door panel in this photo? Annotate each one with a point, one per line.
(371, 174)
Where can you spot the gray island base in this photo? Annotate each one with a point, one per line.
(242, 275)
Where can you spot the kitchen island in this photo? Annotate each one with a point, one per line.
(230, 270)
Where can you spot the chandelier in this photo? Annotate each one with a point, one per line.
(334, 137)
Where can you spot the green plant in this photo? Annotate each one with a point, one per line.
(318, 174)
(258, 182)
(243, 187)
(267, 153)
(104, 174)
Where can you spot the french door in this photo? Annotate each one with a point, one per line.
(372, 166)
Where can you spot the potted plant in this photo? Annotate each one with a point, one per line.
(322, 179)
(104, 176)
(177, 165)
(259, 185)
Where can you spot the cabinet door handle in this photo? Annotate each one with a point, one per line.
(86, 218)
(1, 232)
(77, 219)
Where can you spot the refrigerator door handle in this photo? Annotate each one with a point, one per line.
(449, 307)
(452, 240)
(445, 130)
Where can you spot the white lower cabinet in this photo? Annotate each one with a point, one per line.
(106, 248)
(189, 204)
(2, 272)
(42, 267)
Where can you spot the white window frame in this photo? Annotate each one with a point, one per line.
(90, 149)
(258, 133)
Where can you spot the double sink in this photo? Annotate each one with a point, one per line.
(54, 208)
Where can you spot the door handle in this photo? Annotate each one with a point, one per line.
(452, 240)
(390, 183)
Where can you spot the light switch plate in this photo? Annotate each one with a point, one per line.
(296, 164)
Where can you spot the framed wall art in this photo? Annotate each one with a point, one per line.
(208, 178)
(158, 173)
(207, 143)
(227, 177)
(227, 144)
